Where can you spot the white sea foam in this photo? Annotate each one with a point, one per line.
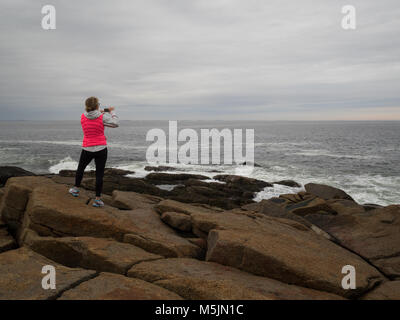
(363, 188)
(67, 164)
(275, 191)
(69, 143)
(168, 187)
(326, 153)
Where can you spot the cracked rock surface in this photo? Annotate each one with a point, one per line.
(144, 244)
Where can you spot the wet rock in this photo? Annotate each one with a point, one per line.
(245, 182)
(291, 197)
(194, 279)
(210, 196)
(92, 173)
(7, 172)
(109, 286)
(371, 206)
(326, 192)
(159, 168)
(21, 276)
(289, 183)
(172, 178)
(111, 183)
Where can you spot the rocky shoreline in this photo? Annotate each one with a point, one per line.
(195, 240)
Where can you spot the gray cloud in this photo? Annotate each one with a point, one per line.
(201, 59)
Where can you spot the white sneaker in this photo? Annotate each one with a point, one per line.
(74, 191)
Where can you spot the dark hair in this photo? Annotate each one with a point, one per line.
(92, 104)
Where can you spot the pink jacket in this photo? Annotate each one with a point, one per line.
(93, 132)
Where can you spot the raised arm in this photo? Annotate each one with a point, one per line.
(110, 119)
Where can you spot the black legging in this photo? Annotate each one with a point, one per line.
(100, 158)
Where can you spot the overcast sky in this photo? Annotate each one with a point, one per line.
(201, 59)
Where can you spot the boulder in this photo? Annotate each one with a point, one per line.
(159, 168)
(374, 235)
(316, 205)
(51, 211)
(326, 192)
(177, 220)
(305, 195)
(172, 178)
(156, 237)
(189, 188)
(92, 173)
(225, 197)
(132, 200)
(21, 276)
(275, 208)
(256, 185)
(176, 206)
(194, 279)
(108, 286)
(281, 249)
(7, 172)
(389, 290)
(291, 197)
(111, 183)
(289, 183)
(15, 199)
(90, 253)
(343, 207)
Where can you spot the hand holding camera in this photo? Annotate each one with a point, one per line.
(110, 109)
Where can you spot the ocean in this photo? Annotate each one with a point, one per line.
(362, 158)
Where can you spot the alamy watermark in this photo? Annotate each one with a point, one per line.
(49, 280)
(349, 280)
(49, 19)
(195, 150)
(349, 21)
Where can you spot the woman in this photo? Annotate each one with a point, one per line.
(94, 144)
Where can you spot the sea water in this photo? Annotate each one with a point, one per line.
(359, 157)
